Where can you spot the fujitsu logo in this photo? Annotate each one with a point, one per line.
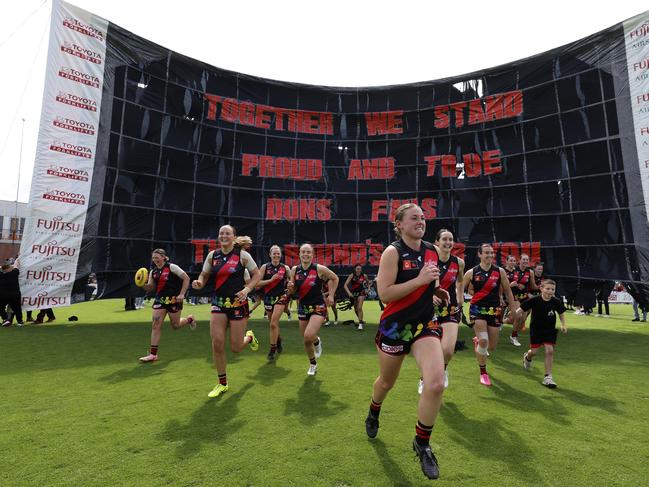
(74, 125)
(53, 248)
(44, 301)
(81, 52)
(46, 274)
(79, 76)
(77, 101)
(71, 149)
(65, 197)
(56, 224)
(68, 173)
(641, 31)
(78, 26)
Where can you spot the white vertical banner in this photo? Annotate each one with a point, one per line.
(636, 41)
(65, 157)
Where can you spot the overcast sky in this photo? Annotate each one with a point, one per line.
(333, 42)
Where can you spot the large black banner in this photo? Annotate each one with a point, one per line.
(538, 156)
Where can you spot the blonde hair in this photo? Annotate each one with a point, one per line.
(398, 216)
(244, 242)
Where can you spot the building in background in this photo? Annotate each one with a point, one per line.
(12, 224)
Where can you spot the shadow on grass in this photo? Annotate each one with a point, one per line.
(552, 408)
(138, 371)
(604, 403)
(390, 467)
(268, 373)
(212, 423)
(491, 440)
(523, 402)
(312, 403)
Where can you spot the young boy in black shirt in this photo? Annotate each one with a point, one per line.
(542, 327)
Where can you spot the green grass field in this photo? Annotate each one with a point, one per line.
(78, 409)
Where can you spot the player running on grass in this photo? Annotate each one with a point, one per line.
(407, 281)
(356, 287)
(489, 282)
(526, 285)
(229, 299)
(544, 309)
(449, 315)
(273, 284)
(510, 315)
(169, 283)
(306, 280)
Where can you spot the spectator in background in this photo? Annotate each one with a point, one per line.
(45, 312)
(10, 293)
(603, 290)
(636, 314)
(586, 296)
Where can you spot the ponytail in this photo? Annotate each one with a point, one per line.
(243, 242)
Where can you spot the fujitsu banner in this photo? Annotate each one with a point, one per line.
(65, 159)
(544, 156)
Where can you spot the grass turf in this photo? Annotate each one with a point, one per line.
(79, 410)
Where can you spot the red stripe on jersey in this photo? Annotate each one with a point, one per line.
(399, 304)
(450, 277)
(281, 271)
(225, 271)
(309, 282)
(162, 280)
(430, 257)
(490, 285)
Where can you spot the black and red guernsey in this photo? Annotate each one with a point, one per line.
(448, 274)
(525, 278)
(539, 282)
(357, 283)
(228, 273)
(486, 286)
(166, 283)
(416, 307)
(513, 275)
(308, 286)
(277, 287)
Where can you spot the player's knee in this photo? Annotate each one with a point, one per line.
(176, 325)
(434, 386)
(483, 343)
(310, 337)
(157, 322)
(218, 345)
(384, 384)
(549, 350)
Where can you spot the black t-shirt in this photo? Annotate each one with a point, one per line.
(543, 312)
(9, 282)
